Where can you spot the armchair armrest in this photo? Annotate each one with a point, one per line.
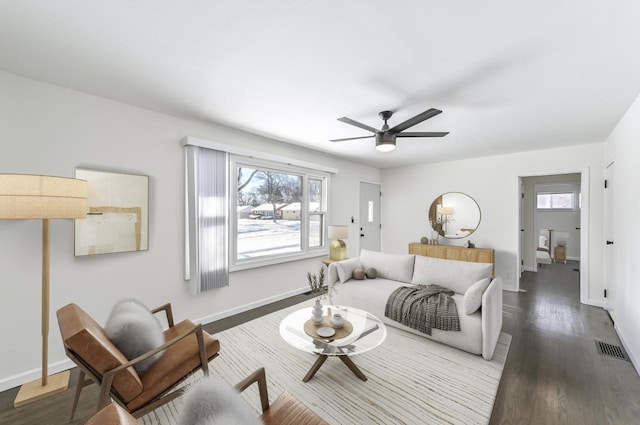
(169, 313)
(491, 317)
(108, 376)
(260, 377)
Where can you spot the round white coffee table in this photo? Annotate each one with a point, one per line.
(366, 333)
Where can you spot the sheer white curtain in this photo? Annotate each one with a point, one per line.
(207, 259)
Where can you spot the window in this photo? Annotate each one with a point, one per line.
(556, 201)
(280, 212)
(246, 208)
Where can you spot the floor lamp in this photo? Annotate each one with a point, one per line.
(26, 197)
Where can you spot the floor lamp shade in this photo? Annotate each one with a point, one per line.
(25, 197)
(337, 248)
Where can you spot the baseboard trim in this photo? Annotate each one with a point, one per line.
(250, 306)
(31, 375)
(634, 360)
(595, 303)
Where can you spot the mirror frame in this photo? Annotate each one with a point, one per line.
(435, 219)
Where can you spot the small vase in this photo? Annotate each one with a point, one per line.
(337, 321)
(316, 313)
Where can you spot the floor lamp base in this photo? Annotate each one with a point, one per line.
(34, 390)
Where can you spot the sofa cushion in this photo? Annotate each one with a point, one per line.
(346, 267)
(135, 331)
(389, 266)
(372, 295)
(473, 296)
(456, 275)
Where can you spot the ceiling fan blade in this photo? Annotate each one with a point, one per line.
(416, 120)
(351, 138)
(423, 134)
(358, 124)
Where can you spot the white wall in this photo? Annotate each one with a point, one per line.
(493, 183)
(45, 129)
(623, 147)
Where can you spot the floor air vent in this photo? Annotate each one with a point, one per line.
(611, 350)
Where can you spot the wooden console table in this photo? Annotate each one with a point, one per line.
(458, 253)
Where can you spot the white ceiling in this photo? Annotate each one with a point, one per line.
(509, 76)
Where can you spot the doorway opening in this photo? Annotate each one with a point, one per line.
(553, 222)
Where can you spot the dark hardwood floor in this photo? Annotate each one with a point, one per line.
(553, 373)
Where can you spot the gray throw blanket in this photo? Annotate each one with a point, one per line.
(423, 307)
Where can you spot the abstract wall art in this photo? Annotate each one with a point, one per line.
(118, 217)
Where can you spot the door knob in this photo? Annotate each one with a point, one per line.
(609, 242)
(362, 235)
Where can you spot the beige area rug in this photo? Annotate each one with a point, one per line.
(411, 380)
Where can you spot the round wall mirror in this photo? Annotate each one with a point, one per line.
(454, 215)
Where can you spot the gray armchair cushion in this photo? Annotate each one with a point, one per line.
(134, 330)
(211, 402)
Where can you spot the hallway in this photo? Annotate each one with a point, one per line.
(554, 374)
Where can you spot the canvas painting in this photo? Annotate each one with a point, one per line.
(118, 217)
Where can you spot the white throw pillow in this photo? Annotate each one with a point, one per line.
(452, 274)
(472, 299)
(135, 331)
(212, 402)
(389, 266)
(346, 267)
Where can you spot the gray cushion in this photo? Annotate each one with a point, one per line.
(473, 296)
(389, 266)
(134, 330)
(212, 402)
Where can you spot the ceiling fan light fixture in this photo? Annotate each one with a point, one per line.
(384, 144)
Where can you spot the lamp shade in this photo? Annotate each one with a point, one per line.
(338, 232)
(446, 210)
(26, 196)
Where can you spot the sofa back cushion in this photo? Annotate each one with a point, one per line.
(389, 266)
(453, 274)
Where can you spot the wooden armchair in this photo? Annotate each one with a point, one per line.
(286, 410)
(112, 414)
(187, 348)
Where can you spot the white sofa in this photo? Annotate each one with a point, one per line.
(472, 283)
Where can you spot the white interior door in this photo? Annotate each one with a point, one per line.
(369, 220)
(609, 235)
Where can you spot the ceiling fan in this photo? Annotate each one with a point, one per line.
(386, 137)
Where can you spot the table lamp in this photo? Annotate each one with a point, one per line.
(26, 197)
(338, 249)
(445, 212)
